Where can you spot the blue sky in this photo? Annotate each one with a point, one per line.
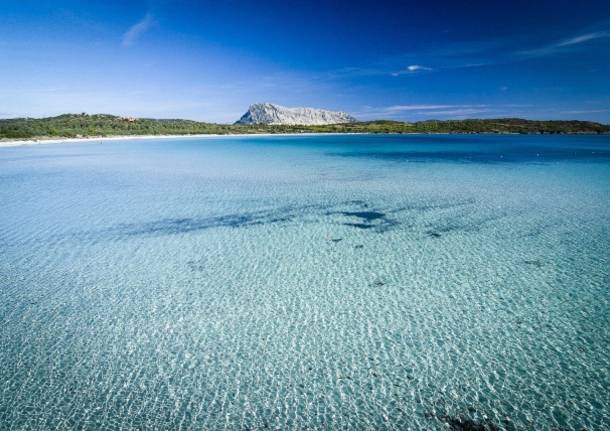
(397, 60)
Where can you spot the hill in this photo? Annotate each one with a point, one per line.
(268, 113)
(84, 125)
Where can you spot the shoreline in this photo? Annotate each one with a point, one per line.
(45, 141)
(100, 139)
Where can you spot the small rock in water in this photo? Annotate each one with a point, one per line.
(359, 246)
(463, 424)
(536, 263)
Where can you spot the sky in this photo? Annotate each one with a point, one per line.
(209, 60)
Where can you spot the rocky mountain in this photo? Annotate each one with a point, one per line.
(268, 113)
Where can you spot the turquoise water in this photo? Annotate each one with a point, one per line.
(329, 282)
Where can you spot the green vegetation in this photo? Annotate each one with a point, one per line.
(83, 125)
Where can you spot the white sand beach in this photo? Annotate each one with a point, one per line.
(101, 139)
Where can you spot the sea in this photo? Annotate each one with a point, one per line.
(327, 282)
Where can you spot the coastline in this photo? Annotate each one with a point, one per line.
(100, 139)
(44, 141)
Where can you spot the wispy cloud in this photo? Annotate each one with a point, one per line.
(466, 55)
(134, 32)
(426, 111)
(418, 112)
(563, 44)
(413, 68)
(417, 68)
(460, 112)
(586, 111)
(583, 38)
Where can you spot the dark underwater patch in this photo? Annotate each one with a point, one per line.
(465, 424)
(533, 262)
(169, 226)
(195, 266)
(179, 225)
(185, 225)
(367, 216)
(360, 225)
(356, 214)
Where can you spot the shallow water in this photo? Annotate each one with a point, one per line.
(330, 282)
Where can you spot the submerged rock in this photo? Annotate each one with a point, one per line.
(367, 216)
(458, 423)
(536, 263)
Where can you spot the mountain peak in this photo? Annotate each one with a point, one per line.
(269, 113)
